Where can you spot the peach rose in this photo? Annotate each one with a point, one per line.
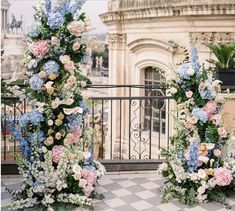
(64, 59)
(189, 94)
(222, 132)
(55, 104)
(76, 28)
(69, 101)
(71, 80)
(42, 74)
(192, 121)
(82, 183)
(202, 86)
(77, 176)
(217, 152)
(76, 46)
(55, 40)
(58, 122)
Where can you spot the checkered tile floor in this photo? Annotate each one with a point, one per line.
(129, 192)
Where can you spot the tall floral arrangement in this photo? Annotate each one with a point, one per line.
(196, 167)
(55, 167)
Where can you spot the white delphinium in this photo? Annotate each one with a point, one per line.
(74, 199)
(178, 170)
(48, 199)
(100, 169)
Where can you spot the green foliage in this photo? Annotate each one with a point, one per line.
(225, 55)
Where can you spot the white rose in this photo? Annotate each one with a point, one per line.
(173, 90)
(201, 174)
(201, 189)
(204, 159)
(193, 176)
(50, 122)
(49, 84)
(78, 110)
(44, 149)
(163, 166)
(210, 146)
(77, 169)
(87, 155)
(190, 72)
(68, 111)
(64, 59)
(211, 183)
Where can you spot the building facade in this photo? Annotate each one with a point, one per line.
(147, 33)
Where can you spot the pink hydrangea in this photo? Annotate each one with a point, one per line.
(39, 48)
(57, 152)
(88, 190)
(223, 176)
(216, 119)
(91, 177)
(210, 108)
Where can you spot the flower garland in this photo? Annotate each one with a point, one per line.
(196, 168)
(55, 168)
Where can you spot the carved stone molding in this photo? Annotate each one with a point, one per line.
(205, 38)
(117, 40)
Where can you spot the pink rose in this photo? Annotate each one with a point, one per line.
(76, 27)
(202, 86)
(71, 80)
(88, 189)
(58, 136)
(82, 183)
(76, 46)
(217, 152)
(55, 41)
(39, 48)
(210, 108)
(69, 66)
(57, 152)
(223, 176)
(69, 101)
(49, 141)
(77, 176)
(216, 119)
(84, 172)
(55, 104)
(91, 177)
(189, 94)
(222, 132)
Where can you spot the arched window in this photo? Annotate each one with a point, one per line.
(155, 109)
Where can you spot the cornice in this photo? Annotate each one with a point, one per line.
(140, 9)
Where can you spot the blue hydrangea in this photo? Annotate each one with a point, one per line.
(86, 58)
(200, 114)
(33, 30)
(37, 136)
(35, 117)
(24, 120)
(35, 82)
(208, 93)
(55, 20)
(193, 157)
(184, 71)
(194, 60)
(84, 106)
(74, 120)
(51, 67)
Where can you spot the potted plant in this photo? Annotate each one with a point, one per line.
(224, 63)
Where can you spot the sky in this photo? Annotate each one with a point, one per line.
(92, 7)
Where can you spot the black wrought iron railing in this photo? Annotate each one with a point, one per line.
(131, 123)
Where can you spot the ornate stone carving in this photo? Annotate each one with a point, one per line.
(204, 38)
(117, 39)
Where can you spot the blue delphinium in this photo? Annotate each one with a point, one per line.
(35, 82)
(55, 20)
(33, 30)
(184, 71)
(200, 114)
(48, 6)
(25, 149)
(194, 60)
(84, 106)
(208, 93)
(35, 117)
(193, 157)
(76, 6)
(51, 67)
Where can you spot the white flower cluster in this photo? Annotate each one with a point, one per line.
(74, 199)
(178, 170)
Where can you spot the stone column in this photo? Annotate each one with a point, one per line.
(3, 20)
(117, 50)
(6, 19)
